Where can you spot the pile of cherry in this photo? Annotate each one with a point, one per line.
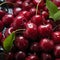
(41, 38)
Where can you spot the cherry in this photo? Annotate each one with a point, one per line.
(26, 5)
(45, 14)
(56, 37)
(37, 19)
(2, 13)
(7, 19)
(31, 31)
(32, 57)
(57, 2)
(21, 43)
(9, 56)
(46, 45)
(17, 10)
(20, 55)
(45, 56)
(26, 14)
(35, 47)
(57, 51)
(19, 3)
(19, 22)
(57, 59)
(13, 1)
(1, 25)
(45, 30)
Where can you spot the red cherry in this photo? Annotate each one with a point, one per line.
(45, 30)
(57, 51)
(45, 56)
(35, 47)
(37, 19)
(16, 11)
(46, 45)
(57, 59)
(20, 55)
(31, 31)
(8, 19)
(1, 25)
(32, 57)
(21, 43)
(56, 37)
(19, 22)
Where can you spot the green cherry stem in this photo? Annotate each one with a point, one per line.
(6, 3)
(37, 6)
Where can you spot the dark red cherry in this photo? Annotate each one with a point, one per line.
(37, 19)
(26, 14)
(20, 55)
(32, 57)
(56, 37)
(18, 3)
(13, 1)
(46, 45)
(57, 51)
(26, 5)
(9, 56)
(45, 14)
(45, 56)
(57, 59)
(21, 43)
(45, 30)
(16, 11)
(35, 47)
(31, 31)
(8, 19)
(1, 25)
(19, 22)
(2, 13)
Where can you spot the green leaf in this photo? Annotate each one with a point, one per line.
(56, 16)
(51, 7)
(8, 42)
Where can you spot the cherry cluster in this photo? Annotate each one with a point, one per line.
(41, 38)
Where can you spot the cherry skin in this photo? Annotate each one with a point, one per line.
(26, 14)
(7, 19)
(37, 19)
(45, 30)
(2, 13)
(19, 22)
(57, 59)
(9, 56)
(45, 56)
(45, 14)
(31, 31)
(35, 47)
(13, 1)
(16, 11)
(57, 51)
(46, 45)
(21, 43)
(32, 57)
(20, 55)
(1, 25)
(56, 37)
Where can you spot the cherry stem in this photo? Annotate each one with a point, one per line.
(37, 7)
(19, 30)
(6, 3)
